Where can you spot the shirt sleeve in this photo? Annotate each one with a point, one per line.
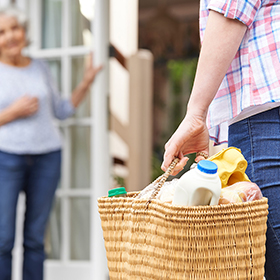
(62, 107)
(242, 10)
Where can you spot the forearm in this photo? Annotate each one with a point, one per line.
(221, 41)
(7, 115)
(79, 93)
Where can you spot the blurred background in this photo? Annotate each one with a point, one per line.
(149, 51)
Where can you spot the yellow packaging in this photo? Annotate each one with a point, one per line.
(231, 166)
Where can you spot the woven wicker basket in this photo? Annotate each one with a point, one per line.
(157, 240)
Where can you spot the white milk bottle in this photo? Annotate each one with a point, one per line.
(199, 186)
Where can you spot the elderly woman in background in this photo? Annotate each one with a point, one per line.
(30, 144)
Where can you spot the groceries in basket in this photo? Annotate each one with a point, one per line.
(219, 180)
(231, 166)
(240, 192)
(117, 192)
(165, 194)
(199, 186)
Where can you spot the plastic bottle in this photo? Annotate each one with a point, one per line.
(199, 186)
(117, 192)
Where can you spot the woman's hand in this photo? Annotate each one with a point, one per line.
(90, 71)
(190, 137)
(81, 90)
(24, 106)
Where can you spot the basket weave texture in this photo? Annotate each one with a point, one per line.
(157, 240)
(171, 242)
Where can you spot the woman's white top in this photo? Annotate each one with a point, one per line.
(38, 133)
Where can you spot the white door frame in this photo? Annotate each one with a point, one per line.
(100, 152)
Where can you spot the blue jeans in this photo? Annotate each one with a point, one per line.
(258, 137)
(37, 176)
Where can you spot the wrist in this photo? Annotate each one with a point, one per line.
(8, 115)
(12, 113)
(85, 84)
(197, 111)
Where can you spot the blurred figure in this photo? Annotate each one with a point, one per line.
(30, 144)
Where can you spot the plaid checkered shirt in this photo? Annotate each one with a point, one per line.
(254, 75)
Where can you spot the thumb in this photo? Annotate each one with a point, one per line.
(171, 151)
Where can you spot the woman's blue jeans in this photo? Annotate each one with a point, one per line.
(37, 176)
(258, 137)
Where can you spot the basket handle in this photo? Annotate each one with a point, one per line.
(161, 180)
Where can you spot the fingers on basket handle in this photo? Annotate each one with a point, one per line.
(171, 167)
(162, 180)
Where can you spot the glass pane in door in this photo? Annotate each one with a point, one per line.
(51, 23)
(80, 165)
(78, 65)
(80, 228)
(55, 68)
(81, 13)
(53, 234)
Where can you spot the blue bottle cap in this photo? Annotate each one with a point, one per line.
(207, 166)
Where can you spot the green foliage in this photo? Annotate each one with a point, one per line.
(180, 68)
(191, 70)
(119, 181)
(181, 77)
(156, 167)
(176, 70)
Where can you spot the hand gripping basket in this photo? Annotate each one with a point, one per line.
(153, 240)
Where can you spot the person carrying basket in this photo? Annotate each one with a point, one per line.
(236, 97)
